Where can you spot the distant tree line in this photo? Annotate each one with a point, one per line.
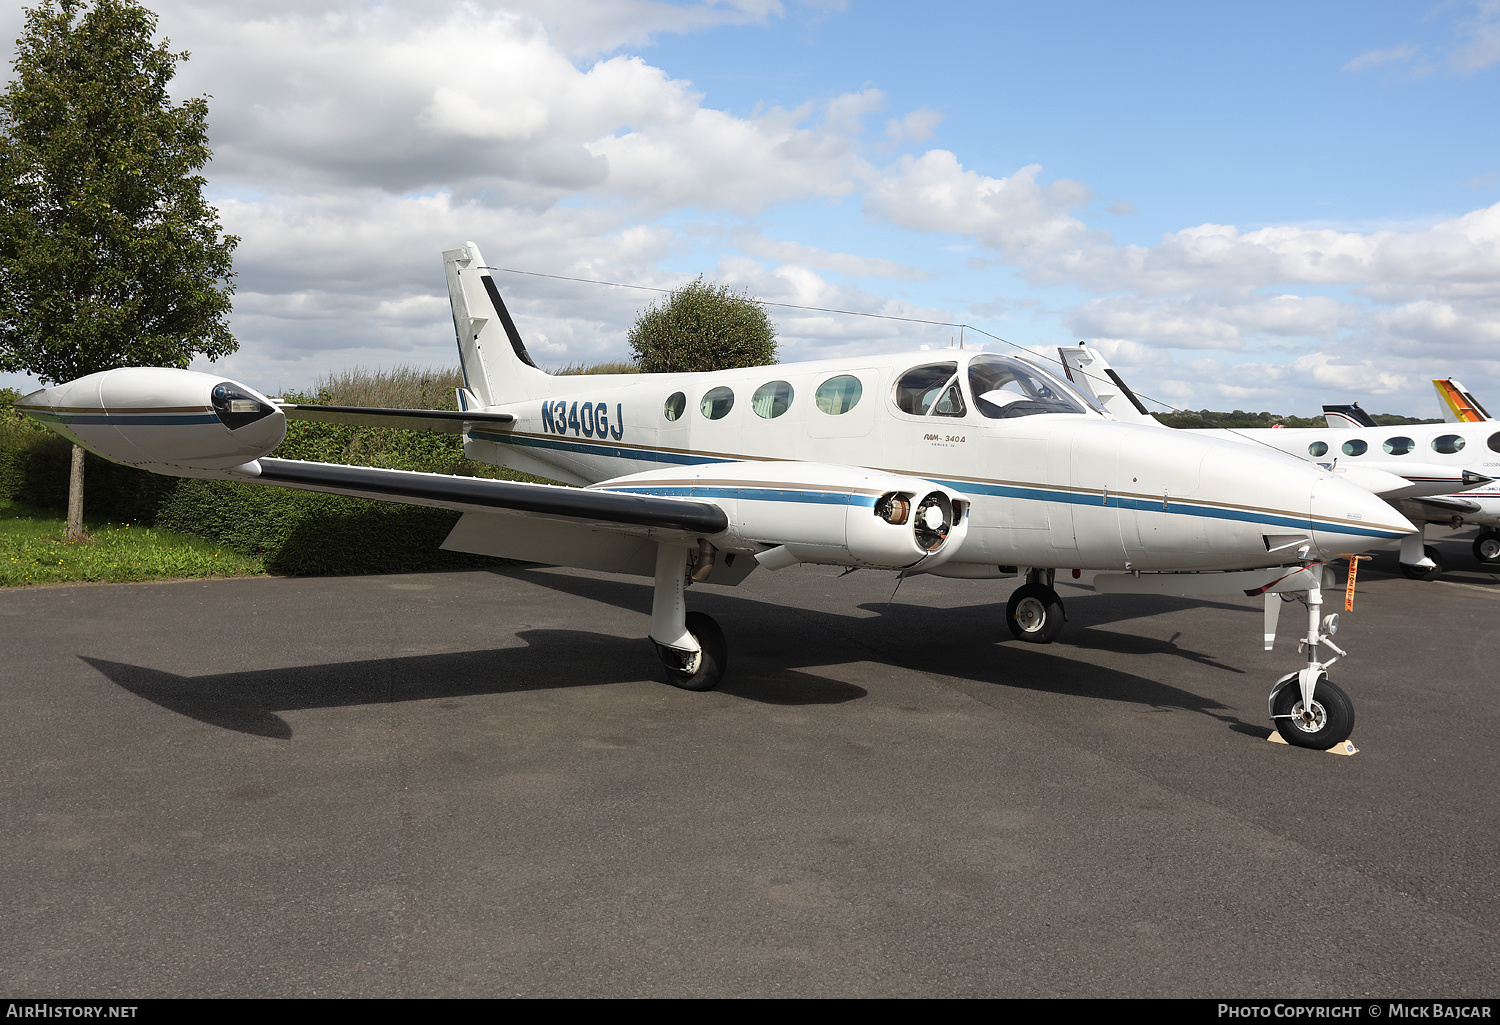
(1189, 418)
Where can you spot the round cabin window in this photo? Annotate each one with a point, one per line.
(1447, 444)
(771, 399)
(717, 403)
(1355, 447)
(838, 394)
(673, 407)
(1318, 448)
(1495, 442)
(1398, 446)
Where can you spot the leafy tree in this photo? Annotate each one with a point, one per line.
(703, 326)
(109, 254)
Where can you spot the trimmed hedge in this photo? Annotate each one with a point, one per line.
(305, 533)
(295, 532)
(34, 468)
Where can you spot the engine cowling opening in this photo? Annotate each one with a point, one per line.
(934, 520)
(894, 507)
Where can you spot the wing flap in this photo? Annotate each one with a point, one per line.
(580, 545)
(476, 494)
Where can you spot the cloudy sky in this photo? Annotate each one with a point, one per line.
(1267, 207)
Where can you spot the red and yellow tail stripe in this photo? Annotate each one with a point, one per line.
(1465, 408)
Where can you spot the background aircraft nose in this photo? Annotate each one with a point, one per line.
(1347, 519)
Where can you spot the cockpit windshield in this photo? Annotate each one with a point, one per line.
(1005, 387)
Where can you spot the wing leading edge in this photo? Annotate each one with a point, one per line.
(437, 421)
(476, 494)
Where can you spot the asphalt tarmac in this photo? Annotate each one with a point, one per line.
(473, 784)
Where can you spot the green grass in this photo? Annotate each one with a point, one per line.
(32, 551)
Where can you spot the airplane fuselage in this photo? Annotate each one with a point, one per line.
(1063, 490)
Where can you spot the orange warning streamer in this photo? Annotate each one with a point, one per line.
(1354, 561)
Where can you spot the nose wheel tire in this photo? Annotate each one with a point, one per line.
(1034, 614)
(1422, 573)
(1328, 721)
(1487, 548)
(702, 669)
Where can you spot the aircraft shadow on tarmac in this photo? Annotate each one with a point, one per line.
(957, 642)
(964, 643)
(247, 702)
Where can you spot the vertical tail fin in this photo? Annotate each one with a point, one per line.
(1341, 417)
(496, 366)
(1459, 406)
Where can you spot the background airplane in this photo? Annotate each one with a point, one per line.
(1459, 404)
(1433, 473)
(1480, 506)
(957, 464)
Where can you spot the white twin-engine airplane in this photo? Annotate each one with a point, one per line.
(952, 463)
(1478, 506)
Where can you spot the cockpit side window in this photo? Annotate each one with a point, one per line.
(922, 388)
(1005, 387)
(952, 402)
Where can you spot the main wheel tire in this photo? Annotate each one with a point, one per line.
(1487, 548)
(1034, 614)
(1328, 722)
(1420, 573)
(704, 670)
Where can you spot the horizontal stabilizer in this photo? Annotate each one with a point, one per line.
(439, 421)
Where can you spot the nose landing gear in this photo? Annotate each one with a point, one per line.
(1305, 706)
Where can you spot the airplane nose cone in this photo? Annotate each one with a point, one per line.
(1347, 519)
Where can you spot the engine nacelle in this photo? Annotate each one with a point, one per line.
(178, 422)
(813, 512)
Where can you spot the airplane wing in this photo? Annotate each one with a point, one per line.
(475, 494)
(1448, 504)
(439, 421)
(584, 528)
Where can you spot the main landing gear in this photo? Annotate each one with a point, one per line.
(1035, 612)
(1308, 710)
(690, 644)
(1420, 561)
(1487, 548)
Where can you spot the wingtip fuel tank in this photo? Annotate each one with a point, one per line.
(178, 422)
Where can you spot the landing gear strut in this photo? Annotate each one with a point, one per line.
(1035, 612)
(1308, 710)
(1420, 561)
(690, 644)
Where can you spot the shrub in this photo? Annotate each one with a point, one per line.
(703, 326)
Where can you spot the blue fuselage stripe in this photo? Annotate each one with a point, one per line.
(601, 449)
(125, 419)
(754, 494)
(1025, 493)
